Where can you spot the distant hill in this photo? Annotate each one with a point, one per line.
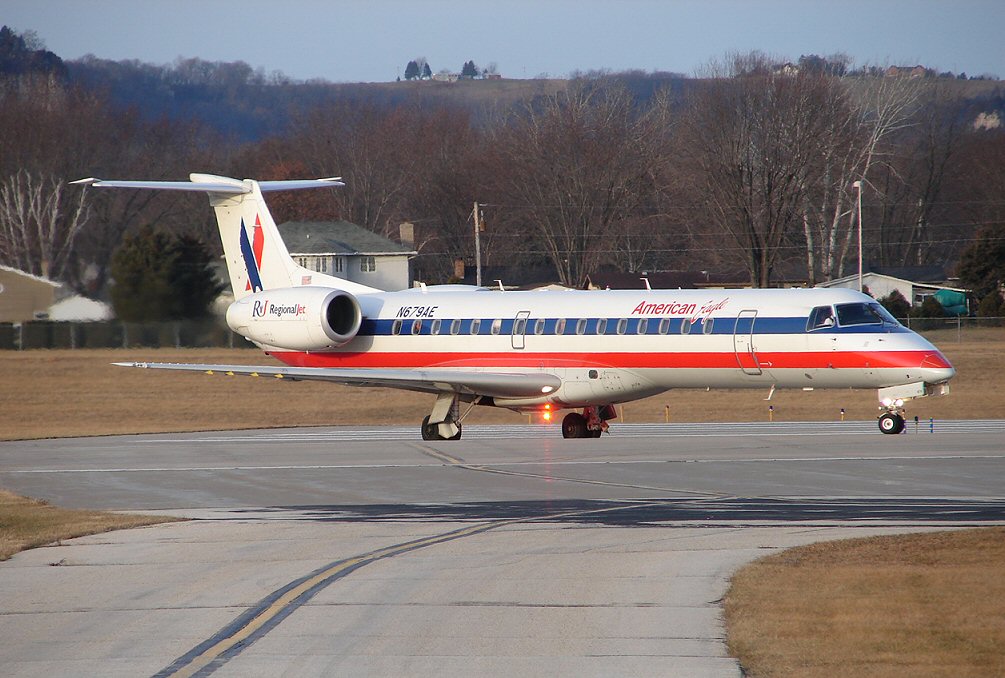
(244, 104)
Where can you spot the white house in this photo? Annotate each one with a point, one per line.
(349, 251)
(24, 296)
(881, 285)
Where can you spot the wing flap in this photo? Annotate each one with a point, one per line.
(469, 382)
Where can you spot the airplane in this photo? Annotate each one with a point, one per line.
(544, 351)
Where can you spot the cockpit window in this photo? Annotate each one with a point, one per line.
(887, 317)
(863, 314)
(820, 317)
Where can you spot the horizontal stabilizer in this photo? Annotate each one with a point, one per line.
(208, 183)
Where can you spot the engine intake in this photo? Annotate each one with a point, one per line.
(297, 318)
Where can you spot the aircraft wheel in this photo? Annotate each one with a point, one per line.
(891, 422)
(596, 433)
(574, 426)
(430, 432)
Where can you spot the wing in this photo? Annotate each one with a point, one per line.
(466, 382)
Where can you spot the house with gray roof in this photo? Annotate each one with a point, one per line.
(349, 251)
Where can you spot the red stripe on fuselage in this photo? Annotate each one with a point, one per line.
(695, 360)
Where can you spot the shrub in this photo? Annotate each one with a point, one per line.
(896, 304)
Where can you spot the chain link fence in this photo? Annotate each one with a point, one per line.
(113, 334)
(957, 328)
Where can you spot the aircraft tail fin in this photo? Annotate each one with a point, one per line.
(257, 258)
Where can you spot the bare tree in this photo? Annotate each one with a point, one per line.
(861, 120)
(910, 183)
(369, 146)
(577, 168)
(755, 140)
(39, 220)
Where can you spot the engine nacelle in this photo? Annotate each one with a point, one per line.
(297, 318)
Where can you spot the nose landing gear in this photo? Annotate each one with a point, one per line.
(891, 422)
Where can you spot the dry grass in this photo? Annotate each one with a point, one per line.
(910, 605)
(26, 523)
(69, 393)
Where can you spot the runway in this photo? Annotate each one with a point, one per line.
(365, 551)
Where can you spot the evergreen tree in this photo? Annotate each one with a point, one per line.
(411, 70)
(982, 265)
(469, 70)
(896, 304)
(427, 72)
(991, 305)
(159, 277)
(194, 282)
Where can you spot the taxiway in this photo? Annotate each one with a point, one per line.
(364, 551)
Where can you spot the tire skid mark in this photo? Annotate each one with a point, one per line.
(230, 641)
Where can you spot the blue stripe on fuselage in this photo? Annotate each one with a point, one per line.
(722, 325)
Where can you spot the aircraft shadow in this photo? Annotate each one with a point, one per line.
(654, 512)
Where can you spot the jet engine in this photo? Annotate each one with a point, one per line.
(297, 318)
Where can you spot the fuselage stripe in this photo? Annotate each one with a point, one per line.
(807, 360)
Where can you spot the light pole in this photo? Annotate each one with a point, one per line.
(478, 247)
(858, 185)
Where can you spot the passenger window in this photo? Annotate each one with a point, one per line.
(539, 326)
(820, 317)
(416, 326)
(685, 326)
(664, 325)
(496, 326)
(560, 326)
(581, 326)
(476, 323)
(602, 326)
(706, 327)
(435, 329)
(643, 327)
(455, 326)
(622, 325)
(396, 327)
(520, 327)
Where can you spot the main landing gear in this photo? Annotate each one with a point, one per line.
(590, 424)
(432, 431)
(444, 422)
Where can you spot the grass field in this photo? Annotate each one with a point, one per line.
(26, 523)
(912, 605)
(78, 392)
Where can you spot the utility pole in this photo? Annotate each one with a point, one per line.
(478, 246)
(858, 185)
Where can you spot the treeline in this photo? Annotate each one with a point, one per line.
(750, 169)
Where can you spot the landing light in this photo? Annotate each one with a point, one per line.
(547, 389)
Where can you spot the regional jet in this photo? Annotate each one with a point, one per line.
(544, 351)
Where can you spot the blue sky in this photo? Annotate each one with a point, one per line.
(362, 41)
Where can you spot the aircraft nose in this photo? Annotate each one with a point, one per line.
(937, 368)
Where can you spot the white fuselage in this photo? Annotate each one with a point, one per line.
(615, 346)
